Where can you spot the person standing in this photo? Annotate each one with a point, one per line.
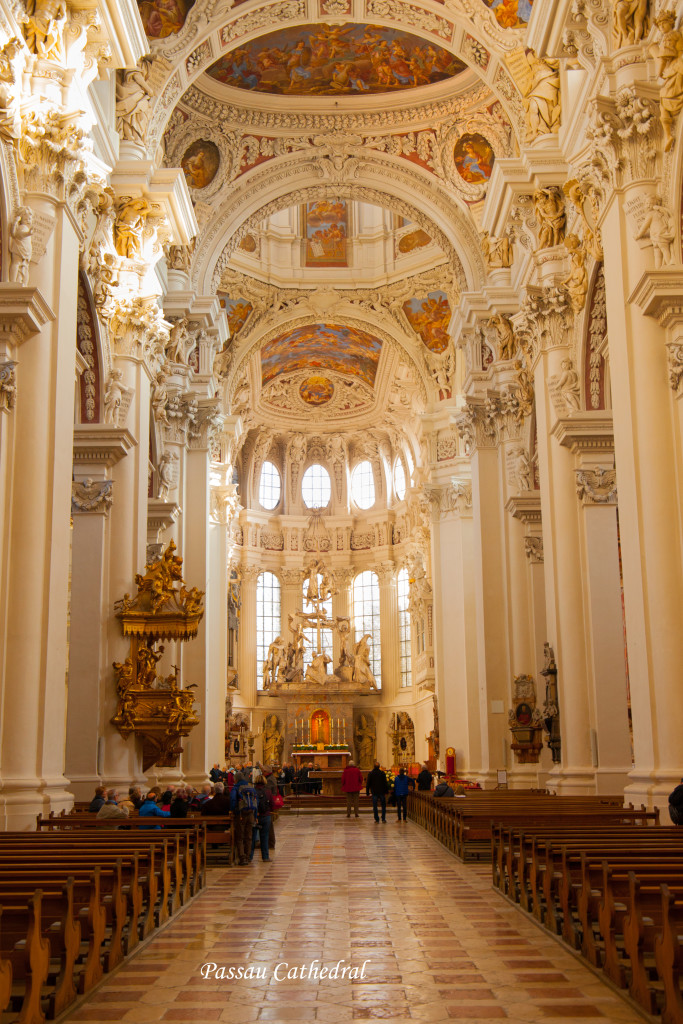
(243, 805)
(401, 787)
(377, 787)
(424, 780)
(351, 784)
(264, 800)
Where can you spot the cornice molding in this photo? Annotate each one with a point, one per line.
(585, 432)
(101, 443)
(526, 508)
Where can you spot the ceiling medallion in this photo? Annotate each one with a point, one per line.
(316, 390)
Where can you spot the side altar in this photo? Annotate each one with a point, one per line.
(325, 704)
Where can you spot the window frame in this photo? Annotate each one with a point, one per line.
(369, 619)
(354, 472)
(316, 465)
(263, 635)
(278, 475)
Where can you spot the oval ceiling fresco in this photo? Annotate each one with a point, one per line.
(335, 60)
(161, 18)
(321, 347)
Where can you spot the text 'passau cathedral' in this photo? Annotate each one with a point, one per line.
(341, 371)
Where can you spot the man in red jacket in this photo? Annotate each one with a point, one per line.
(351, 784)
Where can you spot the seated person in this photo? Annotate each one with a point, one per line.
(150, 808)
(111, 809)
(98, 799)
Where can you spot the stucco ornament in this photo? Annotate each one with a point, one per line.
(167, 474)
(116, 399)
(578, 196)
(92, 495)
(658, 227)
(565, 388)
(181, 342)
(551, 216)
(8, 385)
(597, 486)
(129, 226)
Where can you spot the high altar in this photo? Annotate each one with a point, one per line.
(320, 705)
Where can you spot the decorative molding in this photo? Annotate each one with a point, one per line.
(8, 386)
(100, 444)
(23, 313)
(585, 432)
(526, 507)
(597, 486)
(91, 496)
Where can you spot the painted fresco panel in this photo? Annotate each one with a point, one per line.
(326, 229)
(161, 18)
(474, 158)
(511, 13)
(200, 163)
(316, 390)
(237, 311)
(335, 60)
(322, 347)
(429, 317)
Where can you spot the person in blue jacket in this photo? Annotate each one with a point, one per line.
(401, 787)
(150, 808)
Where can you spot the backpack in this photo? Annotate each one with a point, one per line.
(246, 799)
(262, 801)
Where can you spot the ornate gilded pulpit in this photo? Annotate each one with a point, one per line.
(154, 707)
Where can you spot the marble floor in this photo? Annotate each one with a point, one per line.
(437, 942)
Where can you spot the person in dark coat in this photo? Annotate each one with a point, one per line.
(443, 789)
(219, 802)
(424, 780)
(99, 799)
(376, 785)
(351, 783)
(401, 787)
(676, 805)
(262, 824)
(180, 804)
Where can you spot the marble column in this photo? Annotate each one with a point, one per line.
(97, 448)
(38, 526)
(647, 454)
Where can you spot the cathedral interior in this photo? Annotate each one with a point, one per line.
(340, 369)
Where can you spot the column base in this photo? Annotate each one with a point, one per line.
(197, 779)
(611, 781)
(487, 778)
(567, 781)
(22, 800)
(165, 777)
(83, 786)
(652, 789)
(524, 776)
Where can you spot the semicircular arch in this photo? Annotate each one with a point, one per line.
(373, 178)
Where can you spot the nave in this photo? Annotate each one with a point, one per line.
(442, 944)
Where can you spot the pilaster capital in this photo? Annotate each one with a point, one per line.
(344, 577)
(101, 444)
(476, 425)
(533, 549)
(544, 322)
(54, 153)
(526, 507)
(91, 496)
(8, 386)
(454, 498)
(138, 331)
(625, 141)
(225, 504)
(202, 432)
(250, 574)
(182, 414)
(23, 313)
(597, 486)
(386, 573)
(293, 577)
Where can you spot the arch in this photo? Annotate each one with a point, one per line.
(372, 177)
(470, 32)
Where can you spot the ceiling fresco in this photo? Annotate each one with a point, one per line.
(161, 18)
(316, 390)
(415, 240)
(511, 13)
(326, 228)
(335, 60)
(322, 347)
(429, 317)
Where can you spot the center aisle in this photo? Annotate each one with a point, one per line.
(441, 944)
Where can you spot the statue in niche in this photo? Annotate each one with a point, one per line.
(505, 336)
(551, 216)
(129, 226)
(160, 398)
(497, 251)
(567, 385)
(520, 472)
(631, 22)
(20, 245)
(365, 742)
(166, 475)
(113, 396)
(273, 741)
(180, 342)
(134, 98)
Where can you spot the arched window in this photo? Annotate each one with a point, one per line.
(269, 487)
(399, 480)
(363, 485)
(311, 632)
(316, 489)
(267, 619)
(403, 586)
(366, 617)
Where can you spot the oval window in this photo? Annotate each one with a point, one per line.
(399, 480)
(363, 485)
(316, 489)
(269, 487)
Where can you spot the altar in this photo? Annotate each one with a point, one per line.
(336, 759)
